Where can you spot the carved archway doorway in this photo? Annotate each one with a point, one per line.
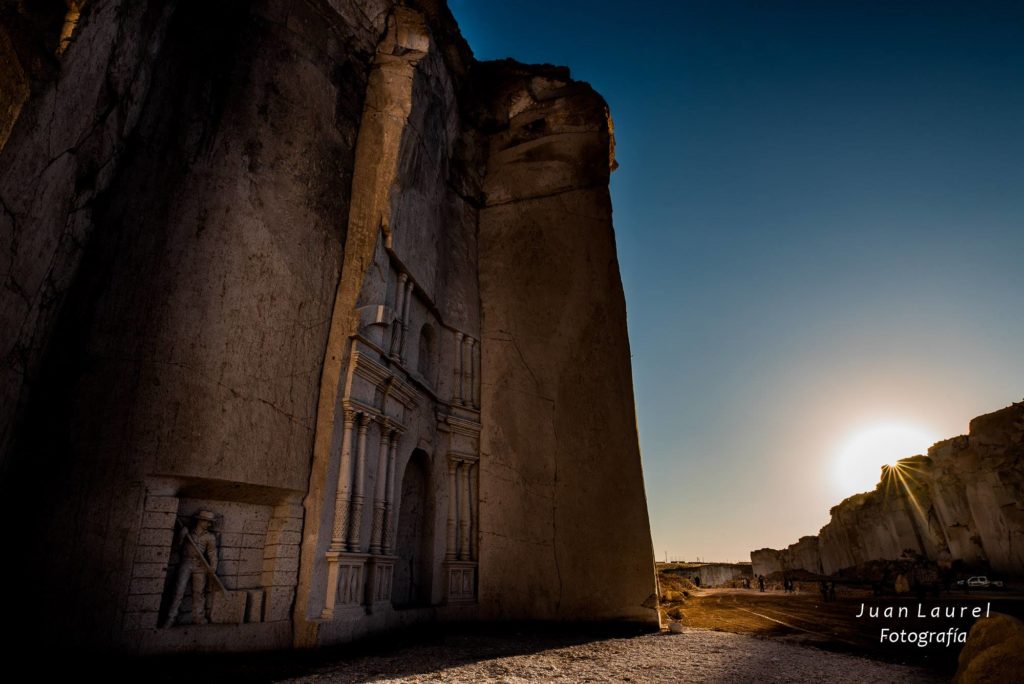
(414, 536)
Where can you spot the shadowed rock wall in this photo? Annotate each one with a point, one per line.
(560, 482)
(172, 205)
(710, 574)
(235, 235)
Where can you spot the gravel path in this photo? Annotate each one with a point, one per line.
(693, 656)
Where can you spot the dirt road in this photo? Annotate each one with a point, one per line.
(696, 655)
(806, 618)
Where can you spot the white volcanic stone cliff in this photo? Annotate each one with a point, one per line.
(307, 271)
(963, 501)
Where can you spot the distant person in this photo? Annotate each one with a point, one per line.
(832, 591)
(760, 582)
(823, 587)
(886, 582)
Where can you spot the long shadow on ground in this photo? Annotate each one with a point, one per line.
(437, 647)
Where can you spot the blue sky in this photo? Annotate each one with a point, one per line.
(820, 222)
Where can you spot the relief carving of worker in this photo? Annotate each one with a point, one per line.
(198, 551)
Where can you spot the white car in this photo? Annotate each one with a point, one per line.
(980, 582)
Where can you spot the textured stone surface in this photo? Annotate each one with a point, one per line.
(62, 153)
(224, 229)
(803, 555)
(994, 652)
(566, 401)
(963, 501)
(709, 574)
(178, 262)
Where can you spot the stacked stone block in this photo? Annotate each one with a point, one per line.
(281, 561)
(149, 570)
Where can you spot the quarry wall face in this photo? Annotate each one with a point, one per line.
(312, 327)
(963, 501)
(712, 574)
(546, 227)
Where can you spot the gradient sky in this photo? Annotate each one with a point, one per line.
(819, 217)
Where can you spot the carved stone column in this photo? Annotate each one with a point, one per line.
(474, 504)
(457, 369)
(380, 491)
(465, 364)
(396, 333)
(453, 466)
(340, 529)
(474, 387)
(400, 293)
(464, 515)
(405, 319)
(357, 495)
(344, 494)
(389, 499)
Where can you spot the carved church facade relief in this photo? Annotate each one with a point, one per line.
(402, 490)
(391, 531)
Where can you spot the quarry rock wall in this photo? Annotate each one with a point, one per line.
(963, 501)
(306, 277)
(567, 402)
(803, 555)
(181, 349)
(712, 574)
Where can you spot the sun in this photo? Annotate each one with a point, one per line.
(860, 457)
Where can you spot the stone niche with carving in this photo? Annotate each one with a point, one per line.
(249, 567)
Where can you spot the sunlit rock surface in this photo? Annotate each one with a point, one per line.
(994, 652)
(963, 501)
(804, 555)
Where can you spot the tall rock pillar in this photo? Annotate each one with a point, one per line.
(564, 532)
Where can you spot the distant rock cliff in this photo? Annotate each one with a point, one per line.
(963, 501)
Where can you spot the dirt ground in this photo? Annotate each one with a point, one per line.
(730, 636)
(696, 655)
(807, 619)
